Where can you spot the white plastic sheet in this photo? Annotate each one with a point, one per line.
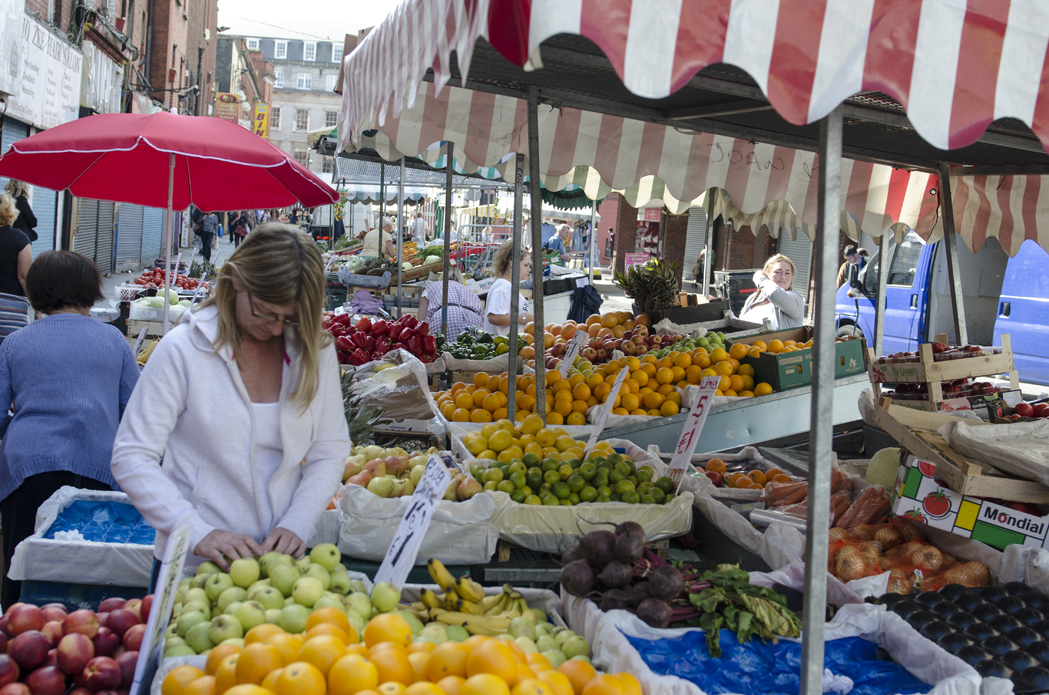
(1020, 449)
(460, 533)
(79, 562)
(402, 389)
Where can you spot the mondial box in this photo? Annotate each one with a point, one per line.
(917, 496)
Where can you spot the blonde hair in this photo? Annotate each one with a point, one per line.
(280, 265)
(773, 260)
(16, 187)
(8, 211)
(504, 256)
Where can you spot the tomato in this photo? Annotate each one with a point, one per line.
(1024, 410)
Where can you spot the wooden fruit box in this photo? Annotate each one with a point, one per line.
(927, 370)
(962, 474)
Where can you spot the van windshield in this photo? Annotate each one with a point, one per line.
(905, 261)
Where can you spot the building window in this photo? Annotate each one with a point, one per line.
(305, 81)
(329, 83)
(278, 79)
(275, 118)
(300, 156)
(252, 44)
(336, 53)
(331, 119)
(328, 165)
(280, 50)
(302, 119)
(309, 50)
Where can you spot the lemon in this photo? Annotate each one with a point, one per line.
(477, 444)
(506, 425)
(499, 440)
(487, 454)
(564, 443)
(545, 437)
(532, 425)
(488, 430)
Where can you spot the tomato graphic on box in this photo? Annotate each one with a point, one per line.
(927, 469)
(915, 516)
(936, 504)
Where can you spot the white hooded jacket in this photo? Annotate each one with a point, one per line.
(191, 407)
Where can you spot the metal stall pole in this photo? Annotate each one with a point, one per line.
(707, 244)
(382, 203)
(883, 277)
(515, 281)
(954, 278)
(400, 235)
(593, 239)
(536, 196)
(447, 245)
(822, 428)
(168, 223)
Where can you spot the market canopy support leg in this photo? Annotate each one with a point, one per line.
(707, 244)
(400, 235)
(168, 223)
(537, 251)
(883, 277)
(820, 439)
(954, 278)
(447, 244)
(515, 282)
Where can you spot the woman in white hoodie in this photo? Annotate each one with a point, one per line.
(243, 401)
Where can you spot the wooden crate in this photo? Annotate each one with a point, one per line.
(962, 474)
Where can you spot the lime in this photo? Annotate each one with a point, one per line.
(600, 478)
(622, 487)
(603, 498)
(477, 472)
(551, 501)
(574, 498)
(604, 490)
(489, 486)
(631, 497)
(505, 486)
(643, 488)
(506, 471)
(566, 503)
(613, 477)
(587, 494)
(550, 464)
(657, 494)
(565, 471)
(532, 499)
(530, 459)
(669, 498)
(615, 497)
(588, 471)
(576, 482)
(527, 490)
(551, 477)
(644, 474)
(625, 468)
(614, 458)
(648, 499)
(665, 484)
(545, 487)
(493, 475)
(561, 491)
(534, 477)
(518, 496)
(516, 466)
(518, 479)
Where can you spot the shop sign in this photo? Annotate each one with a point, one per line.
(653, 214)
(49, 89)
(11, 14)
(227, 106)
(100, 88)
(262, 121)
(637, 259)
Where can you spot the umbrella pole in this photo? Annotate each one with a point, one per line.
(382, 206)
(536, 196)
(400, 235)
(593, 229)
(515, 284)
(447, 245)
(708, 244)
(167, 238)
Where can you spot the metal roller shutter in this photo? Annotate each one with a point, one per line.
(106, 225)
(800, 252)
(12, 133)
(86, 237)
(695, 239)
(129, 237)
(45, 207)
(152, 235)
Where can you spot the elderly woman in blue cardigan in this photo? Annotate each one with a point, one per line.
(67, 378)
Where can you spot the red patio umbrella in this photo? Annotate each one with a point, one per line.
(164, 160)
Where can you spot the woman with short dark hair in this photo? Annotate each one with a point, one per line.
(68, 377)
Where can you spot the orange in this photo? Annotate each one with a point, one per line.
(479, 396)
(554, 418)
(328, 615)
(480, 379)
(351, 674)
(484, 684)
(723, 368)
(725, 384)
(579, 673)
(782, 478)
(630, 684)
(259, 633)
(748, 382)
(580, 406)
(225, 674)
(709, 371)
(448, 659)
(359, 649)
(448, 411)
(270, 681)
(493, 382)
(322, 651)
(494, 657)
(389, 688)
(576, 418)
(464, 400)
(557, 681)
(563, 406)
(461, 415)
(301, 678)
(633, 363)
(256, 661)
(423, 688)
(336, 632)
(393, 665)
(736, 382)
(650, 368)
(205, 685)
(738, 351)
(451, 685)
(420, 662)
(678, 373)
(776, 346)
(730, 393)
(480, 415)
(594, 379)
(693, 374)
(287, 645)
(718, 355)
(762, 389)
(251, 689)
(640, 376)
(716, 465)
(669, 408)
(604, 684)
(754, 351)
(220, 652)
(179, 678)
(581, 392)
(664, 363)
(539, 661)
(653, 400)
(665, 375)
(532, 686)
(631, 402)
(745, 370)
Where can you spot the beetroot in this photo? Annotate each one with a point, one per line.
(616, 575)
(575, 552)
(633, 528)
(577, 578)
(615, 599)
(598, 547)
(629, 547)
(665, 583)
(639, 592)
(654, 612)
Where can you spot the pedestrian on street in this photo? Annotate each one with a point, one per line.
(15, 252)
(239, 227)
(852, 258)
(69, 378)
(26, 220)
(419, 230)
(209, 227)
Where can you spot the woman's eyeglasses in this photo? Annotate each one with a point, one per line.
(270, 317)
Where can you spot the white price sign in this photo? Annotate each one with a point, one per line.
(138, 343)
(697, 417)
(570, 353)
(606, 408)
(160, 613)
(400, 558)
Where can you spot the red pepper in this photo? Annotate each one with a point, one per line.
(408, 321)
(360, 340)
(415, 345)
(337, 330)
(359, 357)
(395, 331)
(429, 344)
(428, 358)
(364, 324)
(343, 319)
(380, 327)
(344, 343)
(406, 334)
(423, 328)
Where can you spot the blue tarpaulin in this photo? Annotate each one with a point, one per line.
(104, 522)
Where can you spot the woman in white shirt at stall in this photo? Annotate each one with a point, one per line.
(774, 299)
(497, 307)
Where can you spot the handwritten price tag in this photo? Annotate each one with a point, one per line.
(570, 354)
(602, 416)
(697, 417)
(138, 343)
(400, 558)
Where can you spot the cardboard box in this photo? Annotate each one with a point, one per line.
(917, 496)
(792, 369)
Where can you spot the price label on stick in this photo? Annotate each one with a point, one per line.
(138, 342)
(400, 558)
(606, 408)
(328, 264)
(570, 353)
(160, 613)
(697, 417)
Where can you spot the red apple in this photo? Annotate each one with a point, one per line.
(52, 658)
(74, 651)
(111, 604)
(715, 478)
(550, 363)
(102, 673)
(602, 355)
(121, 620)
(595, 342)
(147, 604)
(9, 671)
(105, 642)
(628, 347)
(557, 350)
(29, 649)
(102, 618)
(83, 621)
(54, 612)
(640, 331)
(47, 681)
(4, 627)
(588, 353)
(133, 637)
(3, 645)
(127, 662)
(24, 617)
(80, 691)
(639, 340)
(53, 632)
(15, 689)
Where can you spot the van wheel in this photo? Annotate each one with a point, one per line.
(850, 330)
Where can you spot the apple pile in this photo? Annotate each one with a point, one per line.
(388, 472)
(598, 350)
(44, 650)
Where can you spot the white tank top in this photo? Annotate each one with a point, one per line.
(269, 453)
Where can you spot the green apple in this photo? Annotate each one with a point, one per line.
(340, 582)
(283, 578)
(254, 588)
(580, 657)
(216, 584)
(272, 615)
(289, 601)
(188, 620)
(545, 644)
(302, 563)
(250, 614)
(329, 600)
(202, 606)
(307, 591)
(434, 632)
(197, 637)
(539, 615)
(575, 646)
(269, 597)
(561, 635)
(174, 642)
(554, 656)
(293, 618)
(207, 567)
(230, 595)
(172, 630)
(526, 644)
(225, 627)
(196, 594)
(319, 573)
(456, 633)
(266, 560)
(231, 609)
(244, 572)
(360, 604)
(184, 584)
(198, 581)
(179, 650)
(356, 622)
(522, 627)
(358, 585)
(327, 555)
(385, 597)
(176, 609)
(235, 641)
(414, 623)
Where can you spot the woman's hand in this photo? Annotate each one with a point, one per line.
(284, 541)
(219, 545)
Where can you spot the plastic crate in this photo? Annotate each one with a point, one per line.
(126, 293)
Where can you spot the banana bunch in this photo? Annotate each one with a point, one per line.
(464, 603)
(143, 356)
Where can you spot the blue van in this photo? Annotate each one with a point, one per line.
(1002, 295)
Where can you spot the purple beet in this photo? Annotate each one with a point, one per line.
(616, 575)
(654, 612)
(577, 578)
(633, 528)
(639, 592)
(665, 583)
(615, 599)
(629, 547)
(598, 547)
(572, 554)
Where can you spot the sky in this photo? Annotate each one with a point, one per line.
(304, 19)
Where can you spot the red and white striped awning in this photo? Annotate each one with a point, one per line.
(954, 66)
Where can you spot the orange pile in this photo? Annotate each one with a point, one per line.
(751, 479)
